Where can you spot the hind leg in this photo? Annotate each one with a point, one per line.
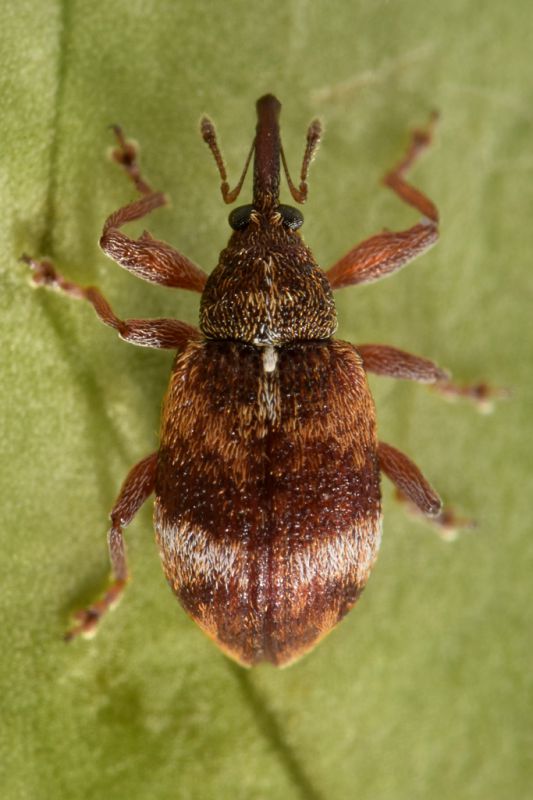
(136, 489)
(413, 489)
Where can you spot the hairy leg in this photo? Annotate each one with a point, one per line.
(481, 394)
(380, 255)
(417, 494)
(408, 479)
(145, 257)
(447, 522)
(394, 363)
(157, 333)
(126, 154)
(136, 489)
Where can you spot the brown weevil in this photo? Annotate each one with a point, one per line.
(267, 477)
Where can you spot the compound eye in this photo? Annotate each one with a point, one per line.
(239, 218)
(291, 217)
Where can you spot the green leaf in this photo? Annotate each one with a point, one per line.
(425, 690)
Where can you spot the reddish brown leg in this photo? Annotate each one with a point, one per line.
(136, 489)
(387, 252)
(406, 476)
(448, 522)
(394, 363)
(157, 333)
(145, 257)
(125, 154)
(415, 491)
(482, 394)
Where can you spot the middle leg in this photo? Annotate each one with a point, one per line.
(158, 333)
(394, 363)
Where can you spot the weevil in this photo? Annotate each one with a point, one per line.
(267, 477)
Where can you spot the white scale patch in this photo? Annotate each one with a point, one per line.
(198, 556)
(332, 557)
(270, 358)
(269, 400)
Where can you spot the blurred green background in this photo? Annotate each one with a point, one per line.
(425, 690)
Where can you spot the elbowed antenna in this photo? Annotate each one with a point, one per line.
(268, 157)
(269, 152)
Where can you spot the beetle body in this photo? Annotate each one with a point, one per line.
(268, 532)
(267, 491)
(267, 476)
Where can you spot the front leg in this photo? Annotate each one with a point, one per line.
(126, 154)
(136, 489)
(387, 252)
(145, 257)
(158, 333)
